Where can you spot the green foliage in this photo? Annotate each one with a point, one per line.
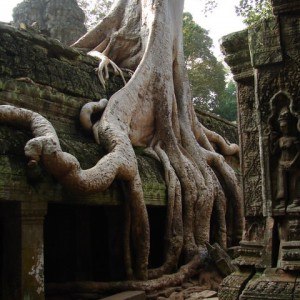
(94, 10)
(254, 10)
(209, 6)
(206, 73)
(227, 108)
(197, 43)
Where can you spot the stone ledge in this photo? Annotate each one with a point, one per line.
(129, 295)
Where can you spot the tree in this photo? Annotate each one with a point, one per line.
(206, 74)
(154, 111)
(254, 10)
(227, 107)
(94, 10)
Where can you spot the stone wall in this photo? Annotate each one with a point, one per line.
(266, 69)
(48, 233)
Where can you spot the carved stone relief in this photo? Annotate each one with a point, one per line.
(285, 151)
(250, 160)
(272, 283)
(270, 161)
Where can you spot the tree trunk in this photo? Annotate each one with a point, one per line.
(153, 110)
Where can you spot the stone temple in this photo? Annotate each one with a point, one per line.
(49, 235)
(266, 68)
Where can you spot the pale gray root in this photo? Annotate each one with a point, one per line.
(45, 147)
(139, 228)
(231, 189)
(121, 34)
(120, 162)
(103, 67)
(174, 225)
(223, 146)
(184, 273)
(88, 109)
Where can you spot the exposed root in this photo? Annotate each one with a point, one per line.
(119, 163)
(185, 272)
(224, 147)
(103, 67)
(88, 109)
(153, 110)
(174, 225)
(139, 228)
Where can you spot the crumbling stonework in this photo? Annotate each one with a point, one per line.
(62, 20)
(44, 75)
(266, 69)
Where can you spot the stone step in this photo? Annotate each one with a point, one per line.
(129, 295)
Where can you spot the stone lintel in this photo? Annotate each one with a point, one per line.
(237, 57)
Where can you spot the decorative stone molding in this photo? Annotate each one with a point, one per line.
(269, 133)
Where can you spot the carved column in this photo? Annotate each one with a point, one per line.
(238, 58)
(270, 159)
(275, 55)
(23, 250)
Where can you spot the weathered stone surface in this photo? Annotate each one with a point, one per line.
(47, 62)
(272, 284)
(221, 259)
(23, 265)
(264, 43)
(290, 30)
(130, 295)
(81, 231)
(26, 81)
(43, 75)
(62, 20)
(238, 58)
(232, 286)
(240, 62)
(269, 134)
(285, 6)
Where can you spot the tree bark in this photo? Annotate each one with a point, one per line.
(153, 110)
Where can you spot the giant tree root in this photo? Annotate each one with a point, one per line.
(154, 111)
(185, 272)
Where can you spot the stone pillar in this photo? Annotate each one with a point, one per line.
(270, 156)
(23, 251)
(250, 252)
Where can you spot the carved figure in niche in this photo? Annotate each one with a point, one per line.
(294, 230)
(286, 144)
(254, 232)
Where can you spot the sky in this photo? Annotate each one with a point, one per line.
(222, 21)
